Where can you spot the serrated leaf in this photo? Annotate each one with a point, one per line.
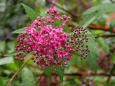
(93, 54)
(30, 12)
(88, 19)
(105, 8)
(6, 60)
(21, 30)
(94, 51)
(27, 77)
(103, 44)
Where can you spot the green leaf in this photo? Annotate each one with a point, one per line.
(103, 44)
(11, 46)
(6, 60)
(2, 46)
(94, 52)
(30, 12)
(1, 82)
(94, 12)
(27, 77)
(104, 8)
(112, 26)
(21, 30)
(88, 19)
(75, 59)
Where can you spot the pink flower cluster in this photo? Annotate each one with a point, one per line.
(46, 39)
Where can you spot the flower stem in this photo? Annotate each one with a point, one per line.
(11, 80)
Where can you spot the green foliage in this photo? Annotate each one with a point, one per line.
(76, 59)
(103, 44)
(47, 71)
(18, 63)
(1, 82)
(6, 60)
(30, 12)
(94, 52)
(19, 31)
(27, 77)
(96, 11)
(2, 46)
(2, 6)
(112, 26)
(60, 72)
(111, 72)
(88, 19)
(103, 8)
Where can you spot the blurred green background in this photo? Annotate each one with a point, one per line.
(100, 16)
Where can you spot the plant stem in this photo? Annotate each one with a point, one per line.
(11, 80)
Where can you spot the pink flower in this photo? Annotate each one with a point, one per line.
(47, 40)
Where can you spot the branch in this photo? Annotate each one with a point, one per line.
(106, 36)
(11, 80)
(93, 27)
(97, 27)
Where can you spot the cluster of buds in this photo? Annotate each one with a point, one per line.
(48, 42)
(77, 40)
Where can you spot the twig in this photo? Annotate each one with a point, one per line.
(106, 36)
(11, 80)
(97, 28)
(93, 27)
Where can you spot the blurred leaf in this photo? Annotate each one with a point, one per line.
(1, 82)
(62, 2)
(92, 13)
(41, 2)
(103, 44)
(75, 59)
(93, 54)
(111, 72)
(103, 8)
(19, 31)
(113, 58)
(30, 12)
(88, 19)
(12, 66)
(6, 60)
(2, 46)
(112, 26)
(2, 6)
(27, 77)
(11, 46)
